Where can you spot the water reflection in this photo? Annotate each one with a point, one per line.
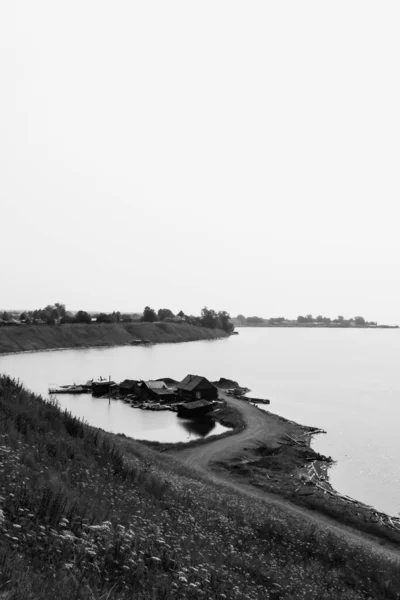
(198, 428)
(118, 417)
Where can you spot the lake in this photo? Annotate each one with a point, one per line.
(343, 380)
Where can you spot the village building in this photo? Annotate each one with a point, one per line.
(195, 387)
(157, 391)
(127, 387)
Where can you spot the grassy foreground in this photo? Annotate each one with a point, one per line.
(88, 515)
(79, 335)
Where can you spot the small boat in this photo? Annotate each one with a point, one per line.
(67, 389)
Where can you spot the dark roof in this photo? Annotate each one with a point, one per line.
(127, 383)
(196, 404)
(191, 382)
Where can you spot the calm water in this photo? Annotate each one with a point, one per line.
(345, 381)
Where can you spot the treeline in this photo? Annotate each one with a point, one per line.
(319, 321)
(57, 314)
(209, 318)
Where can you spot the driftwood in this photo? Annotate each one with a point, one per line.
(293, 440)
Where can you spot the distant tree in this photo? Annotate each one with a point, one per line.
(320, 319)
(149, 315)
(208, 318)
(125, 318)
(83, 317)
(359, 320)
(301, 319)
(309, 319)
(225, 323)
(23, 316)
(61, 310)
(107, 318)
(277, 320)
(6, 316)
(165, 313)
(340, 318)
(254, 320)
(67, 318)
(242, 320)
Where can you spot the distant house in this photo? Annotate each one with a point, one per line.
(195, 387)
(127, 386)
(153, 390)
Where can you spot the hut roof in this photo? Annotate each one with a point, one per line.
(155, 385)
(127, 383)
(191, 382)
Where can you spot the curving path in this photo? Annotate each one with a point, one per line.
(262, 427)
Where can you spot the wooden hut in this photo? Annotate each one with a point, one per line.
(156, 391)
(104, 387)
(195, 387)
(127, 387)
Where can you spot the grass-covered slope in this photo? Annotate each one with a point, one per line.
(77, 335)
(87, 515)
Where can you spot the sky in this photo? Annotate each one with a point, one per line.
(239, 155)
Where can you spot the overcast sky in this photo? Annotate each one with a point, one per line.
(240, 155)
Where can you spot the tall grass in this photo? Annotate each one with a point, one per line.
(84, 514)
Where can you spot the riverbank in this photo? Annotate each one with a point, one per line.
(32, 338)
(85, 514)
(272, 454)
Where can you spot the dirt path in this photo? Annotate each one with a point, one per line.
(262, 427)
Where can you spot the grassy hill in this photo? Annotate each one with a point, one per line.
(89, 515)
(77, 335)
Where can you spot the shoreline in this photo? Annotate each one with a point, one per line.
(38, 338)
(107, 346)
(281, 462)
(286, 466)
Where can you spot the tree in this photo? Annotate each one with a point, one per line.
(61, 310)
(165, 313)
(242, 320)
(254, 320)
(83, 317)
(149, 315)
(225, 321)
(6, 316)
(208, 318)
(359, 320)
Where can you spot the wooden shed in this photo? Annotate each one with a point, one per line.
(127, 386)
(153, 390)
(195, 387)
